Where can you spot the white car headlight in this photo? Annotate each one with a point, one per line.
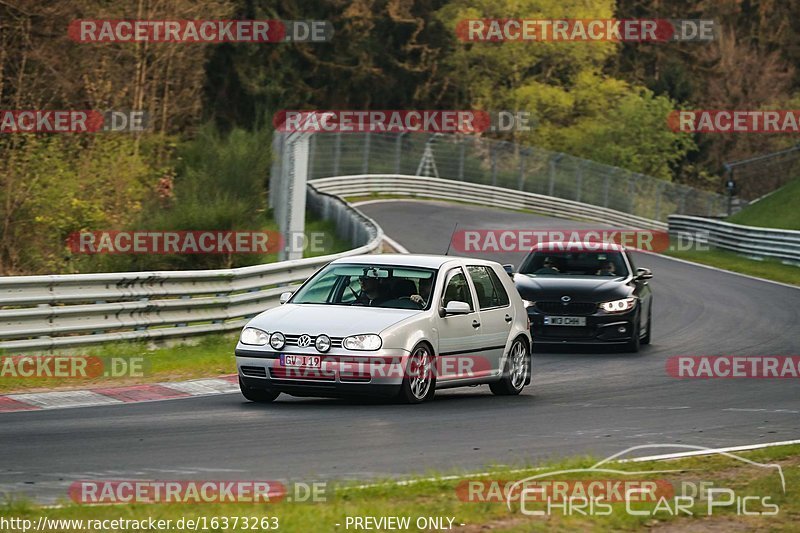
(254, 337)
(277, 340)
(362, 342)
(618, 306)
(528, 303)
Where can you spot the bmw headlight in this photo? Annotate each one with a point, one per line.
(254, 337)
(528, 303)
(322, 343)
(618, 306)
(277, 340)
(362, 342)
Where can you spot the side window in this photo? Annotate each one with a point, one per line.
(457, 289)
(350, 289)
(500, 291)
(322, 289)
(488, 287)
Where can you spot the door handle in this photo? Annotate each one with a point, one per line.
(476, 324)
(508, 318)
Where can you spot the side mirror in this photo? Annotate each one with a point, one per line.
(509, 268)
(454, 307)
(285, 297)
(643, 273)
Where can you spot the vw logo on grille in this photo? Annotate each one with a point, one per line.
(565, 299)
(303, 341)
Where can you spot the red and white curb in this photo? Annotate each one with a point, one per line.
(35, 401)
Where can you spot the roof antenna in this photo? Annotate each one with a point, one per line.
(451, 238)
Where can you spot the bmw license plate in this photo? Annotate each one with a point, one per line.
(565, 321)
(301, 361)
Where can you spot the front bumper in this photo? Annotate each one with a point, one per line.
(341, 373)
(600, 328)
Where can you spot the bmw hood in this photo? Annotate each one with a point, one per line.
(580, 289)
(332, 320)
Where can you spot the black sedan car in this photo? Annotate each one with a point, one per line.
(585, 293)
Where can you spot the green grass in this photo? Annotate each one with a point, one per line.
(768, 268)
(333, 243)
(426, 497)
(780, 209)
(198, 357)
(195, 357)
(212, 355)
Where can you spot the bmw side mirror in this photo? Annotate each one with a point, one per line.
(643, 273)
(454, 307)
(285, 297)
(509, 270)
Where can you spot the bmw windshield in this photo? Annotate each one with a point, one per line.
(369, 285)
(548, 263)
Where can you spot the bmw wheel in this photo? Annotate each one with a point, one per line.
(646, 338)
(633, 344)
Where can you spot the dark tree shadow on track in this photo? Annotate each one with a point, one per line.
(448, 397)
(579, 351)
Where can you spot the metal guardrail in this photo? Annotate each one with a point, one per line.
(445, 189)
(485, 161)
(748, 240)
(46, 312)
(759, 176)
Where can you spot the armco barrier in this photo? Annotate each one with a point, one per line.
(749, 240)
(46, 312)
(426, 187)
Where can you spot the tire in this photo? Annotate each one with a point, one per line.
(419, 382)
(515, 371)
(633, 344)
(646, 338)
(257, 395)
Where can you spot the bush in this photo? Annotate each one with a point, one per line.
(55, 185)
(219, 183)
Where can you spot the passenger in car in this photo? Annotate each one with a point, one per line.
(548, 267)
(607, 268)
(373, 292)
(403, 288)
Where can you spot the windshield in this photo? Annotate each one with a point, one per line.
(369, 285)
(575, 263)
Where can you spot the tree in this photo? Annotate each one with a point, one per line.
(577, 108)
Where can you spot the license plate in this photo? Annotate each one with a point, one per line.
(565, 321)
(301, 361)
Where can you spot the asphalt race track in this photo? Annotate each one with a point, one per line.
(580, 402)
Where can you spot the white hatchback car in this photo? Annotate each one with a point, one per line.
(391, 325)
